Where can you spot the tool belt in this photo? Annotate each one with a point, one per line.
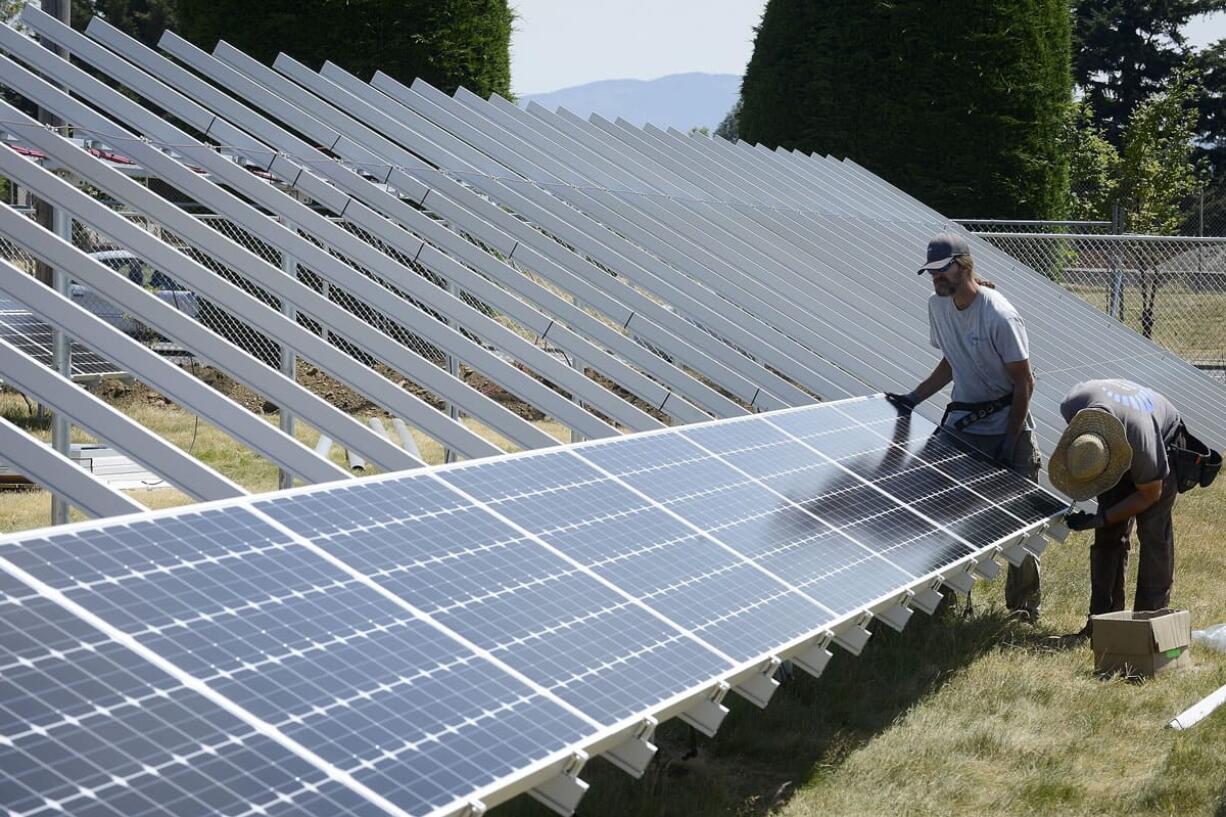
(1194, 463)
(976, 411)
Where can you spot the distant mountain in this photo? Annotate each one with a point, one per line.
(681, 101)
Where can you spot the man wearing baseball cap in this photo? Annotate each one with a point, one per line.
(986, 354)
(1115, 449)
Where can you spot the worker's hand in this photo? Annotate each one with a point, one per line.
(1084, 521)
(902, 402)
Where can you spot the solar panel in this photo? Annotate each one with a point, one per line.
(22, 328)
(87, 726)
(443, 637)
(310, 650)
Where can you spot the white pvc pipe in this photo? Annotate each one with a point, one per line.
(1199, 710)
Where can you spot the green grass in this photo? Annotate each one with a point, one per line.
(957, 717)
(961, 717)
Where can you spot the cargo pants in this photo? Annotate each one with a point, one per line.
(1156, 560)
(1022, 590)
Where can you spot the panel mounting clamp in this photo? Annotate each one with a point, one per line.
(986, 566)
(1036, 541)
(960, 579)
(759, 687)
(928, 598)
(633, 754)
(855, 635)
(708, 714)
(563, 791)
(897, 613)
(814, 658)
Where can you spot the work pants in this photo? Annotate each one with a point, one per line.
(1109, 553)
(1022, 591)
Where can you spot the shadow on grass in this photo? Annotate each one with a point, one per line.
(760, 757)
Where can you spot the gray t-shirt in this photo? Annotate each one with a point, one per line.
(1149, 419)
(978, 341)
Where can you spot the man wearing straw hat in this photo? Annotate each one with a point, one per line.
(1115, 449)
(986, 354)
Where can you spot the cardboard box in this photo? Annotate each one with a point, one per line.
(1141, 644)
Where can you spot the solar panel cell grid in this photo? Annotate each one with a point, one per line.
(87, 727)
(295, 641)
(24, 330)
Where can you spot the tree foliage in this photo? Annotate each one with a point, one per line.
(962, 104)
(448, 43)
(1094, 166)
(729, 128)
(1158, 167)
(1126, 50)
(144, 20)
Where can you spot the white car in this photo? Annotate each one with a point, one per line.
(140, 273)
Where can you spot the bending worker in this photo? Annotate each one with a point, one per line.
(987, 356)
(1119, 446)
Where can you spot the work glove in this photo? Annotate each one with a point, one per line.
(1085, 521)
(903, 402)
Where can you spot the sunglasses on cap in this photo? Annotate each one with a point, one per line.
(944, 268)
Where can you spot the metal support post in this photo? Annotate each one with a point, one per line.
(61, 356)
(1115, 296)
(285, 417)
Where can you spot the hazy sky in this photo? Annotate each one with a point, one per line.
(560, 43)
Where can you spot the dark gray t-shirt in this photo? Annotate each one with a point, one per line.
(1149, 420)
(978, 341)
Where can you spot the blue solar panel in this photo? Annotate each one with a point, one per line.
(596, 648)
(309, 649)
(88, 727)
(436, 632)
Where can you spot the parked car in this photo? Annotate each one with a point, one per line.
(142, 274)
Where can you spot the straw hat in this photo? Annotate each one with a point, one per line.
(1092, 455)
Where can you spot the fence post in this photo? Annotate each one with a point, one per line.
(285, 417)
(453, 369)
(1115, 297)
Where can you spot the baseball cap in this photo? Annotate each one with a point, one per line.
(943, 248)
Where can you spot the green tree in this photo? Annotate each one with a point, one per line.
(1158, 167)
(1094, 166)
(448, 43)
(1125, 50)
(962, 104)
(730, 128)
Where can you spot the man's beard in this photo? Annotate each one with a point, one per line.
(944, 288)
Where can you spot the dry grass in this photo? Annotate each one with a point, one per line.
(955, 717)
(27, 509)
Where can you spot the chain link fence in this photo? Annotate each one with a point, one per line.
(1170, 289)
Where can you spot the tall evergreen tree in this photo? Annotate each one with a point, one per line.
(1126, 50)
(962, 104)
(448, 43)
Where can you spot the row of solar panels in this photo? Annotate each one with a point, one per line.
(433, 643)
(703, 279)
